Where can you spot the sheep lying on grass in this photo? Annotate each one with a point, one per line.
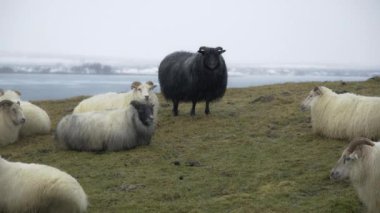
(343, 115)
(38, 188)
(111, 130)
(140, 91)
(11, 121)
(360, 162)
(37, 120)
(12, 95)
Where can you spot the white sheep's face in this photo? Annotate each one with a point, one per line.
(343, 167)
(143, 90)
(14, 111)
(310, 99)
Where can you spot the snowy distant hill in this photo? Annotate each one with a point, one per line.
(16, 63)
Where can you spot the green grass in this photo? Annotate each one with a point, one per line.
(249, 156)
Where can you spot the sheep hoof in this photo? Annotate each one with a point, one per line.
(207, 112)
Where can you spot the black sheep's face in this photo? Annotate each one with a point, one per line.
(211, 56)
(145, 112)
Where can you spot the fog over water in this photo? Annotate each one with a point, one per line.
(324, 32)
(44, 42)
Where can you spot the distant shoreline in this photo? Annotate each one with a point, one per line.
(61, 86)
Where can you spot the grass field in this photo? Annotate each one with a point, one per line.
(254, 153)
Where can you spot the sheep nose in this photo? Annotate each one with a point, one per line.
(22, 120)
(147, 97)
(334, 175)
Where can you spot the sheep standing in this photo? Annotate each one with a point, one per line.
(11, 120)
(140, 91)
(343, 115)
(111, 130)
(360, 162)
(38, 188)
(193, 77)
(37, 120)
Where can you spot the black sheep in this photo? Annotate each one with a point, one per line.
(194, 77)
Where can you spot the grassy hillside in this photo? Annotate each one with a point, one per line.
(254, 153)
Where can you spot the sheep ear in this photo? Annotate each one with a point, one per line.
(151, 84)
(354, 156)
(135, 84)
(317, 90)
(202, 50)
(220, 50)
(18, 93)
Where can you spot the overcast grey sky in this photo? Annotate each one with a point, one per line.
(253, 31)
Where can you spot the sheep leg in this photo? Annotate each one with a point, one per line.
(192, 112)
(207, 110)
(175, 107)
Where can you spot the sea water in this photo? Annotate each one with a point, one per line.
(61, 86)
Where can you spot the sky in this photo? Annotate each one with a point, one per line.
(331, 32)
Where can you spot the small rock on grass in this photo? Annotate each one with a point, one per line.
(130, 187)
(177, 163)
(193, 163)
(263, 99)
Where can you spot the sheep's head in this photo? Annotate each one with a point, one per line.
(13, 95)
(13, 109)
(145, 112)
(211, 56)
(309, 100)
(143, 90)
(350, 156)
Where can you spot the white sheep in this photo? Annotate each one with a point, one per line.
(11, 120)
(37, 120)
(12, 95)
(38, 188)
(343, 115)
(140, 91)
(360, 162)
(111, 130)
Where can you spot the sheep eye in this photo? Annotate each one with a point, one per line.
(346, 159)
